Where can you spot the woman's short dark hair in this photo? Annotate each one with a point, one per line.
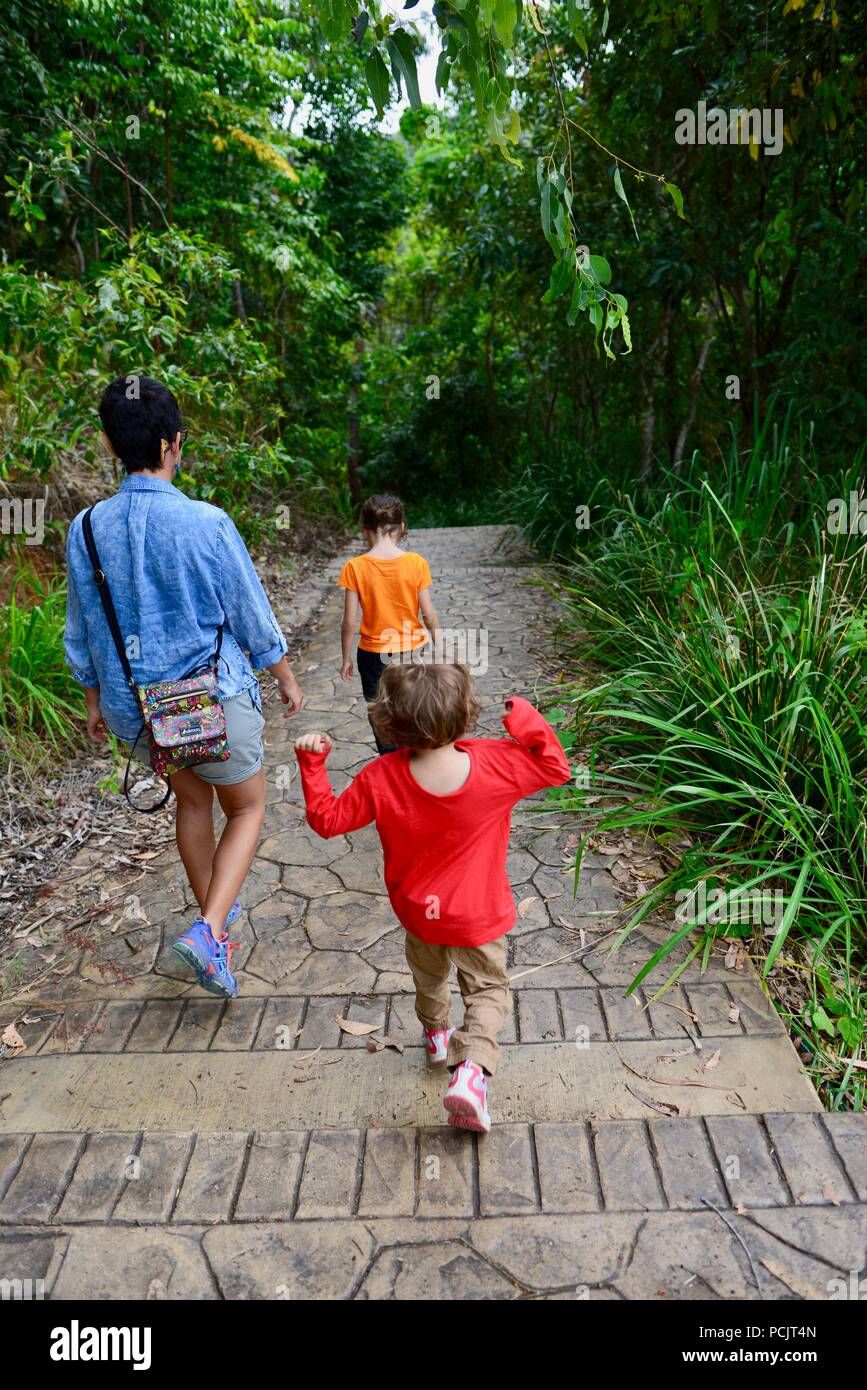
(137, 413)
(384, 512)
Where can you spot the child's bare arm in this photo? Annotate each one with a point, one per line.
(348, 630)
(428, 612)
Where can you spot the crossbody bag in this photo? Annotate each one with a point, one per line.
(183, 721)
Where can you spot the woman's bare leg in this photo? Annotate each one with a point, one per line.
(194, 830)
(243, 805)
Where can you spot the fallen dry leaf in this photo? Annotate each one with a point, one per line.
(734, 1013)
(712, 1061)
(358, 1030)
(831, 1194)
(12, 1039)
(385, 1041)
(792, 1281)
(524, 906)
(663, 1107)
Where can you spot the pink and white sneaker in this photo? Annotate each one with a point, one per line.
(467, 1098)
(437, 1043)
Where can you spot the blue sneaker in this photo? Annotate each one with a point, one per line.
(198, 949)
(234, 913)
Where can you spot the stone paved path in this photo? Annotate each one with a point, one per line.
(158, 1143)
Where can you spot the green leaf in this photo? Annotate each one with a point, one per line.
(788, 917)
(562, 273)
(376, 74)
(505, 19)
(399, 45)
(676, 197)
(621, 193)
(600, 269)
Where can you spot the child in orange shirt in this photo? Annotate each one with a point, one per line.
(387, 586)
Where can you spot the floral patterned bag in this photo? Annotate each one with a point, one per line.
(184, 720)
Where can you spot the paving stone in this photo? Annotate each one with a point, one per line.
(581, 1008)
(445, 1271)
(757, 1013)
(813, 1171)
(747, 1167)
(12, 1149)
(99, 1178)
(349, 921)
(388, 1174)
(32, 1259)
(73, 1030)
(320, 1260)
(199, 1022)
(273, 960)
(624, 1016)
(280, 1023)
(538, 1015)
(38, 1186)
(239, 1025)
(154, 1029)
(626, 1170)
(115, 1265)
(271, 1178)
(669, 1015)
(402, 1021)
(113, 1028)
(686, 1162)
(342, 972)
(507, 1185)
(211, 1180)
(320, 1028)
(552, 1252)
(368, 1010)
(362, 871)
(445, 1185)
(712, 1006)
(330, 1176)
(567, 1171)
(849, 1135)
(153, 1182)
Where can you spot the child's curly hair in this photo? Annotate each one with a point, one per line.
(424, 706)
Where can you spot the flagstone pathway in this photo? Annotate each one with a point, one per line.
(157, 1143)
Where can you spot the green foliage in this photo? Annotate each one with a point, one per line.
(39, 701)
(733, 723)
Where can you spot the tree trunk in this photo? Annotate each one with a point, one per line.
(695, 382)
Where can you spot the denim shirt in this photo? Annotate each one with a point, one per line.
(176, 569)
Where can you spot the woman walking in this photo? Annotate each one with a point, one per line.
(185, 591)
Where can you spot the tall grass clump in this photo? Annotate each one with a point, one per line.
(40, 704)
(728, 631)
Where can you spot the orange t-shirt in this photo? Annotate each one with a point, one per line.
(388, 592)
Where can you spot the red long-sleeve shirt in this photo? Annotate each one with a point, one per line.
(445, 856)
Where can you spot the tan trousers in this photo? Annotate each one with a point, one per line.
(484, 987)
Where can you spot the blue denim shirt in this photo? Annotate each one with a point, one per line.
(176, 569)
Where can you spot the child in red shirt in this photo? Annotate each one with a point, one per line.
(442, 806)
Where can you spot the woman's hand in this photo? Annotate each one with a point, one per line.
(314, 743)
(96, 726)
(346, 673)
(291, 695)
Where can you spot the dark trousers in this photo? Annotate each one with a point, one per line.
(370, 669)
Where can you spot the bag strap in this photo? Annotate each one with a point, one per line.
(101, 583)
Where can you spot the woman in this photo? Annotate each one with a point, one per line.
(177, 570)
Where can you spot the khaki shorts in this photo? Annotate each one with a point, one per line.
(244, 725)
